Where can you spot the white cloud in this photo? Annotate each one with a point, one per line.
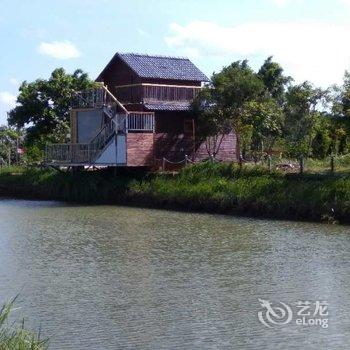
(7, 99)
(345, 2)
(308, 50)
(59, 49)
(7, 102)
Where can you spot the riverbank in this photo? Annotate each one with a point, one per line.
(215, 188)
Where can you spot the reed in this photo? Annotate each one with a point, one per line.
(14, 336)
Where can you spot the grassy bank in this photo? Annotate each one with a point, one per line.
(219, 188)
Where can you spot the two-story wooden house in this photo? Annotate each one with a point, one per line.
(139, 116)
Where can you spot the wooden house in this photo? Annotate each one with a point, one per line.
(139, 117)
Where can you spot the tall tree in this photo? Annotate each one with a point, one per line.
(271, 73)
(302, 117)
(9, 139)
(224, 104)
(267, 120)
(43, 105)
(344, 97)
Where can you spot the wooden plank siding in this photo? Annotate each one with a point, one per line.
(118, 73)
(173, 141)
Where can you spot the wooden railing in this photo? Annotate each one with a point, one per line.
(95, 98)
(140, 121)
(71, 153)
(143, 93)
(124, 122)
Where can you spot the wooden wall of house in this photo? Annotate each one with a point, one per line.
(171, 82)
(117, 72)
(173, 141)
(140, 149)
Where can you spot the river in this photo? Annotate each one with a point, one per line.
(105, 277)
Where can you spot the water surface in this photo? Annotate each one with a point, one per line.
(124, 278)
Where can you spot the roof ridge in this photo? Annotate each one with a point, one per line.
(153, 56)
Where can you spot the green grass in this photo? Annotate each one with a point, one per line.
(220, 188)
(254, 191)
(14, 336)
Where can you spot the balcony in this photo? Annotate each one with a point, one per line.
(148, 93)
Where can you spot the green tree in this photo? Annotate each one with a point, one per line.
(340, 111)
(271, 73)
(9, 139)
(43, 106)
(267, 120)
(302, 116)
(322, 141)
(221, 108)
(343, 104)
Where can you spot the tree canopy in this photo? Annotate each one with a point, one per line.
(266, 109)
(271, 73)
(43, 105)
(233, 100)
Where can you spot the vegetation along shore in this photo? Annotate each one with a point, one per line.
(206, 187)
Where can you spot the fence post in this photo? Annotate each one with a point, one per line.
(269, 162)
(332, 163)
(301, 162)
(240, 161)
(163, 165)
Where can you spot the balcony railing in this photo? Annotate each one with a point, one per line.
(87, 153)
(143, 93)
(78, 153)
(95, 98)
(140, 121)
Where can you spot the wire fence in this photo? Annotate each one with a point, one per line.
(170, 165)
(332, 164)
(302, 164)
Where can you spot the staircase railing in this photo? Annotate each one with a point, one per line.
(122, 122)
(104, 135)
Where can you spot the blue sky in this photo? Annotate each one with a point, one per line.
(309, 38)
